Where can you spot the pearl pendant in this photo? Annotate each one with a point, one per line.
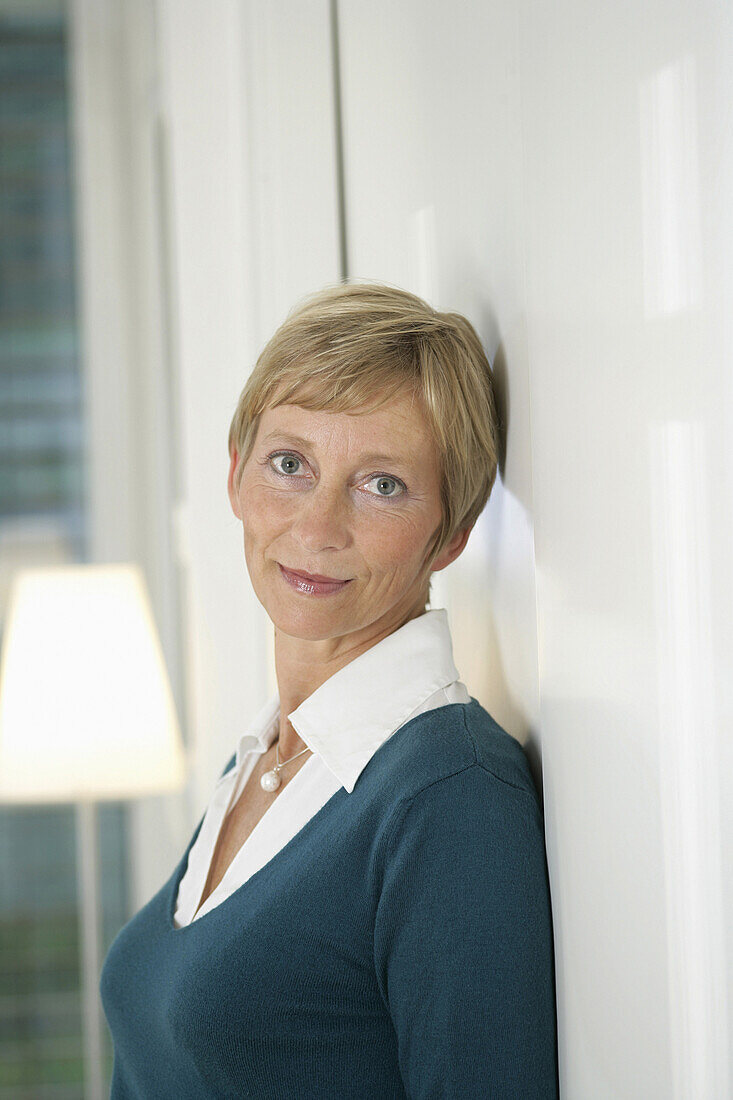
(270, 781)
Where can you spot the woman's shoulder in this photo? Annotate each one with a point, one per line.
(450, 740)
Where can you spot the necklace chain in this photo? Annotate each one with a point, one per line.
(282, 763)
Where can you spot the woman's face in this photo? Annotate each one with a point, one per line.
(348, 496)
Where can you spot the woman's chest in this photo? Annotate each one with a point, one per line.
(258, 971)
(241, 820)
(239, 824)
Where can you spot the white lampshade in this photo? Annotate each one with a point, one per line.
(86, 709)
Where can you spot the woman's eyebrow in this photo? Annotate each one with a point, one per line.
(300, 442)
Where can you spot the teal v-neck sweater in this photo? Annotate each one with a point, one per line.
(399, 945)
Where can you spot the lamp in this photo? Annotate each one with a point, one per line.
(86, 713)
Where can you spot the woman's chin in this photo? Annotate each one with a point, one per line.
(308, 619)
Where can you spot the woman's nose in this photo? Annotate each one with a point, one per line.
(322, 518)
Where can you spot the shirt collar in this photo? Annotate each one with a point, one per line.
(357, 709)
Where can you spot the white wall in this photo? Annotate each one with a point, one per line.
(433, 171)
(628, 181)
(561, 174)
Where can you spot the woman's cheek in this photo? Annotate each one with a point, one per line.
(277, 505)
(262, 499)
(392, 540)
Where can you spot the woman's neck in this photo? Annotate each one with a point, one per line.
(302, 665)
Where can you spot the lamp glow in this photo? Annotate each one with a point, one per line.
(86, 709)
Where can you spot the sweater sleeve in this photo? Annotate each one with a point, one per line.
(463, 942)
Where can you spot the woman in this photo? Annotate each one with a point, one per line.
(363, 911)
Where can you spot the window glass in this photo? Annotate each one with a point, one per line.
(42, 520)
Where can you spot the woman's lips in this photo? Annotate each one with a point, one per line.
(312, 585)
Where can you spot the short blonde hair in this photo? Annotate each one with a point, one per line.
(351, 347)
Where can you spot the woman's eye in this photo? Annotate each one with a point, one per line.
(291, 462)
(385, 484)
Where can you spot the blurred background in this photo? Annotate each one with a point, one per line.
(174, 175)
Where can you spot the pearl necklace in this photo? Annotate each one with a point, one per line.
(270, 781)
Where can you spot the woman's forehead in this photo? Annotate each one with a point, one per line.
(402, 413)
(397, 431)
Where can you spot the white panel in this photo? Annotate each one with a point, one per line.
(248, 114)
(290, 155)
(562, 174)
(129, 451)
(628, 184)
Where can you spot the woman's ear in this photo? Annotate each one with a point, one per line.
(231, 488)
(450, 552)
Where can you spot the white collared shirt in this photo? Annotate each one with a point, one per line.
(343, 722)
